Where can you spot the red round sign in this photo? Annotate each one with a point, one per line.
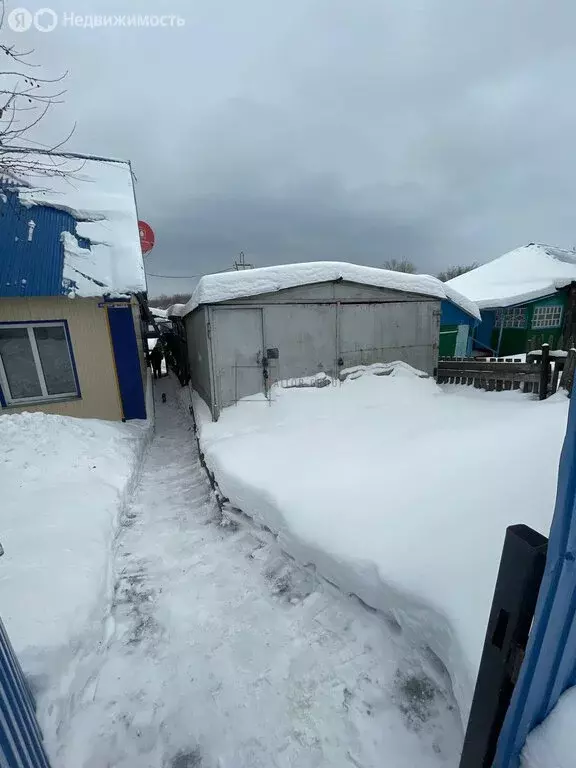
(146, 236)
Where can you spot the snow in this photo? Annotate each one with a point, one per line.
(220, 651)
(99, 194)
(525, 274)
(376, 481)
(175, 310)
(553, 743)
(160, 313)
(251, 282)
(63, 482)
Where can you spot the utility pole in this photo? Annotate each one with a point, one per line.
(242, 264)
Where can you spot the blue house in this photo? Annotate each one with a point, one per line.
(72, 290)
(523, 297)
(458, 323)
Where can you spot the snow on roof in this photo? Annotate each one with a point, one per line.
(99, 194)
(224, 286)
(175, 310)
(157, 312)
(525, 274)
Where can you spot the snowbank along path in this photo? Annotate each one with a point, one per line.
(222, 651)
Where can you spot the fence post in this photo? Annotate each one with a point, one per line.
(567, 378)
(544, 372)
(519, 577)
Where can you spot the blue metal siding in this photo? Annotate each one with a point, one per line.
(127, 359)
(32, 267)
(549, 666)
(20, 736)
(484, 330)
(453, 315)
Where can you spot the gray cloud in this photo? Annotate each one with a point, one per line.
(438, 131)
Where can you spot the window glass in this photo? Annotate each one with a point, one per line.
(18, 362)
(512, 318)
(547, 317)
(55, 357)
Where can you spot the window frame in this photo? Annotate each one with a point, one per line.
(5, 393)
(543, 309)
(501, 322)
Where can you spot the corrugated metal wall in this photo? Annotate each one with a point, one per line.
(198, 353)
(32, 251)
(92, 349)
(21, 743)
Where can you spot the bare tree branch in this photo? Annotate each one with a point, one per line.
(25, 100)
(399, 265)
(459, 269)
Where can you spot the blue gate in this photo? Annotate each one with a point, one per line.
(20, 736)
(549, 667)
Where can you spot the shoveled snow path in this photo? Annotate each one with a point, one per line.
(221, 651)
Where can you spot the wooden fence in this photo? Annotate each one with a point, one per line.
(536, 375)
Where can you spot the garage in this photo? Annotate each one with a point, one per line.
(248, 330)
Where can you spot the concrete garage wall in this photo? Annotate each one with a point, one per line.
(91, 347)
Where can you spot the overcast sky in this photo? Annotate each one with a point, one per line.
(442, 131)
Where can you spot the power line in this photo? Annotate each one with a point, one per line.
(238, 265)
(189, 277)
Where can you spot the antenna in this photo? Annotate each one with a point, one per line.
(242, 264)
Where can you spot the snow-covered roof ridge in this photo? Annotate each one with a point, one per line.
(99, 194)
(524, 274)
(234, 285)
(175, 310)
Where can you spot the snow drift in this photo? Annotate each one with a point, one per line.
(64, 481)
(398, 491)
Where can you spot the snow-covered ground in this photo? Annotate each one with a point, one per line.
(397, 490)
(63, 482)
(553, 744)
(220, 651)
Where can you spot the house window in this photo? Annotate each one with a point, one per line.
(547, 317)
(512, 318)
(36, 362)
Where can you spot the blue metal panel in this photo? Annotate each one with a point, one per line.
(549, 666)
(484, 331)
(20, 736)
(127, 360)
(31, 249)
(452, 314)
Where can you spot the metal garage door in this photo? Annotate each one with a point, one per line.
(382, 333)
(305, 337)
(237, 348)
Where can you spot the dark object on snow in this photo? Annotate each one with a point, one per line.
(156, 359)
(163, 397)
(517, 586)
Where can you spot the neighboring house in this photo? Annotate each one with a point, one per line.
(246, 329)
(71, 292)
(522, 297)
(457, 325)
